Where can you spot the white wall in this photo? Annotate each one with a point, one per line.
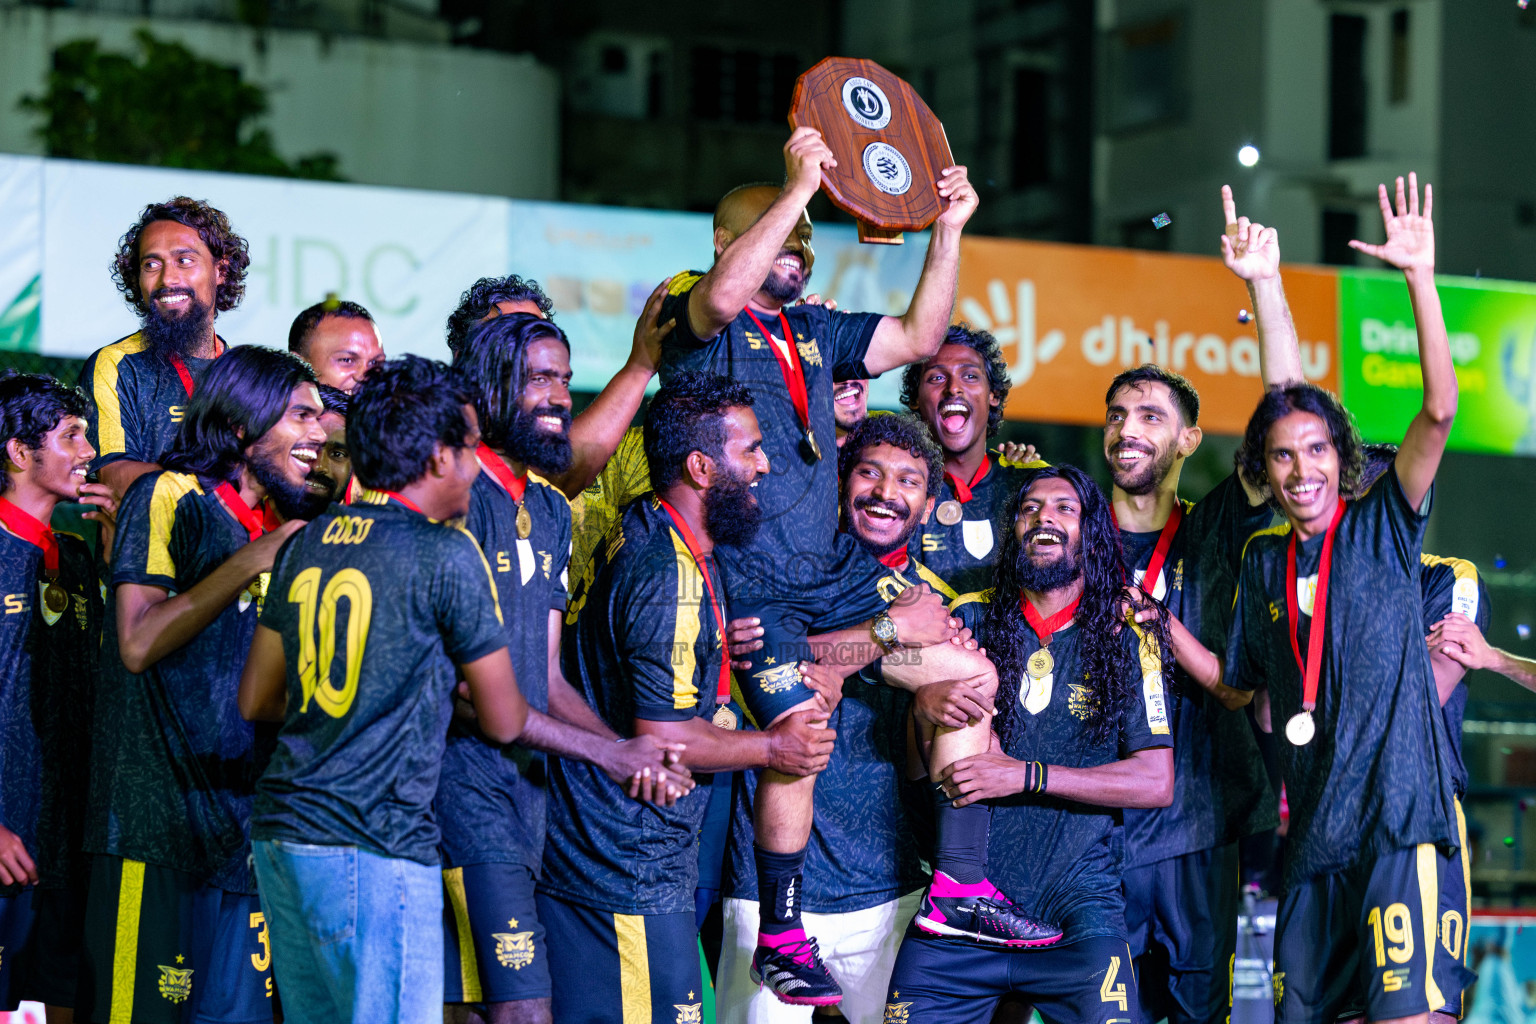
(395, 113)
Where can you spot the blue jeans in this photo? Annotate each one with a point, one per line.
(355, 936)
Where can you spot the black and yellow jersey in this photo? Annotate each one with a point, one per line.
(48, 666)
(1377, 776)
(174, 766)
(596, 510)
(1454, 585)
(645, 645)
(137, 400)
(376, 604)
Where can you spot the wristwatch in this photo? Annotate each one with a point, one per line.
(884, 629)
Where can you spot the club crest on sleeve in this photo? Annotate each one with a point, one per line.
(778, 679)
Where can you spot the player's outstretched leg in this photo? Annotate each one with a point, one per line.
(960, 901)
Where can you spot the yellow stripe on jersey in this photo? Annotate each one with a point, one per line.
(634, 968)
(365, 496)
(1154, 694)
(469, 966)
(683, 282)
(931, 578)
(490, 577)
(125, 951)
(1429, 908)
(1463, 569)
(1279, 530)
(685, 627)
(170, 488)
(974, 597)
(111, 439)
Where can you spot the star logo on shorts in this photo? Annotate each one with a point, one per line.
(514, 950)
(175, 984)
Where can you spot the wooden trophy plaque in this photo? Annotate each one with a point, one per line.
(889, 146)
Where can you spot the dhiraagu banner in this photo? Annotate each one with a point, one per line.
(1492, 327)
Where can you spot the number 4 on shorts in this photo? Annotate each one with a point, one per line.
(1109, 992)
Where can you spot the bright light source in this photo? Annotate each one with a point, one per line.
(1248, 156)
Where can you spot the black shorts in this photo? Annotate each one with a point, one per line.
(494, 947)
(808, 593)
(1451, 971)
(946, 981)
(1362, 940)
(1181, 915)
(161, 949)
(616, 968)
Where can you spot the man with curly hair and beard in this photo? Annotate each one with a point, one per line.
(1081, 731)
(178, 267)
(960, 392)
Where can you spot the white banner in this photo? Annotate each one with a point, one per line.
(406, 255)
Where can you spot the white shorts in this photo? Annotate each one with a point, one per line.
(858, 947)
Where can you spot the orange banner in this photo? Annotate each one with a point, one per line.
(1070, 317)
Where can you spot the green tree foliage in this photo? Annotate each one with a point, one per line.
(165, 106)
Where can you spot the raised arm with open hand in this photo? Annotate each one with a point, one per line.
(1410, 246)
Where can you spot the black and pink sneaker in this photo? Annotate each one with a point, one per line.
(979, 911)
(792, 970)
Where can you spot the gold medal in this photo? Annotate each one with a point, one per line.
(54, 598)
(724, 718)
(948, 513)
(1300, 729)
(810, 442)
(524, 522)
(1040, 664)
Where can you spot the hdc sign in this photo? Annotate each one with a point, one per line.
(1071, 317)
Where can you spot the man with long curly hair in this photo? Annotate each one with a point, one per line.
(173, 929)
(959, 392)
(178, 267)
(1329, 622)
(1082, 729)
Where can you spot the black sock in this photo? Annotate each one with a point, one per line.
(962, 839)
(778, 889)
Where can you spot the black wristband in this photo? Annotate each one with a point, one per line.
(1034, 776)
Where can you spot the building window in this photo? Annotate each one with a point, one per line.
(1339, 227)
(1031, 127)
(1346, 87)
(1398, 90)
(1145, 70)
(742, 86)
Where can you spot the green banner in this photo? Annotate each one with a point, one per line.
(1492, 326)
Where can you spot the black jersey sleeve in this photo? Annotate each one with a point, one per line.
(675, 308)
(468, 611)
(848, 337)
(1243, 669)
(1145, 720)
(1453, 585)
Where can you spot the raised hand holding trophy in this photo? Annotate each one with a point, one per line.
(889, 146)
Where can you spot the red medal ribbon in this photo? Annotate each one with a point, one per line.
(1045, 627)
(1312, 668)
(1164, 542)
(407, 502)
(184, 373)
(34, 531)
(270, 520)
(723, 685)
(895, 560)
(515, 485)
(794, 373)
(963, 490)
(255, 525)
